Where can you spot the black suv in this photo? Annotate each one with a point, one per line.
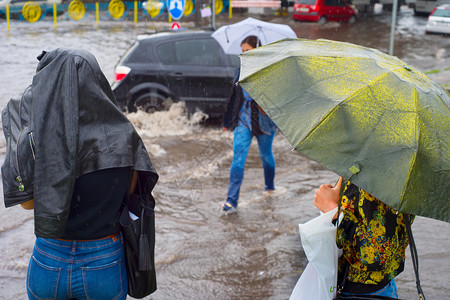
(184, 65)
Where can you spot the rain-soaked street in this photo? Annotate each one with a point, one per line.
(200, 253)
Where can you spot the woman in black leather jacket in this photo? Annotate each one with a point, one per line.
(86, 152)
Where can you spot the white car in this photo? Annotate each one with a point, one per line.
(439, 20)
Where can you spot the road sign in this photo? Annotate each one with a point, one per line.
(176, 8)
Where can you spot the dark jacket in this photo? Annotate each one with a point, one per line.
(78, 129)
(233, 108)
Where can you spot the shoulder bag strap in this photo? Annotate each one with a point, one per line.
(414, 257)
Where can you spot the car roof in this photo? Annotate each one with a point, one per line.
(170, 33)
(443, 6)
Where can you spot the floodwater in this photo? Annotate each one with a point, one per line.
(200, 253)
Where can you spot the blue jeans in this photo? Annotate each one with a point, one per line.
(77, 269)
(241, 145)
(390, 290)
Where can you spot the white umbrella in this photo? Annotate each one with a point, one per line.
(231, 36)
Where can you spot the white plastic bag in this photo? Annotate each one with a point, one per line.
(318, 280)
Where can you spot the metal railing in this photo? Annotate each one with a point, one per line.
(34, 11)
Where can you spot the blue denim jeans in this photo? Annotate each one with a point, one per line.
(390, 290)
(241, 145)
(77, 269)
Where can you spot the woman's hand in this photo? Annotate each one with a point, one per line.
(224, 128)
(327, 196)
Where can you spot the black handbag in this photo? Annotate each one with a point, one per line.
(138, 233)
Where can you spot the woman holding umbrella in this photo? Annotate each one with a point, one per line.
(373, 237)
(247, 119)
(383, 124)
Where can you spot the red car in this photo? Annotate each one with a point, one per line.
(324, 10)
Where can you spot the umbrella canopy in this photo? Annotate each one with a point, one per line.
(231, 36)
(363, 114)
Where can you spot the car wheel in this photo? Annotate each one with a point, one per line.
(322, 20)
(352, 19)
(149, 103)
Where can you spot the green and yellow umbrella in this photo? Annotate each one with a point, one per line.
(363, 114)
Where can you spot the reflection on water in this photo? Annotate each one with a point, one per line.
(200, 253)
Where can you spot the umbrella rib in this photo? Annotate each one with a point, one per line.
(226, 35)
(317, 125)
(414, 158)
(333, 110)
(367, 86)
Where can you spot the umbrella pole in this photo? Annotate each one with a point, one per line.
(394, 21)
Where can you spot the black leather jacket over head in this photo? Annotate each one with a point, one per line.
(77, 129)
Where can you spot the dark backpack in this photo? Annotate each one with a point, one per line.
(18, 167)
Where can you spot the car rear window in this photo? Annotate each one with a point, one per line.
(334, 3)
(442, 13)
(308, 2)
(139, 52)
(190, 52)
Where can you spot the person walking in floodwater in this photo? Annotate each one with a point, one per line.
(373, 237)
(246, 119)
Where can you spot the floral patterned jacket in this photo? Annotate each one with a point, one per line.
(373, 238)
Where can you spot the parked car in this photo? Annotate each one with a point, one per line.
(324, 10)
(425, 7)
(439, 20)
(183, 65)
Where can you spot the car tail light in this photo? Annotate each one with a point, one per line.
(121, 72)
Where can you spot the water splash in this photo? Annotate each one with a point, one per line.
(174, 122)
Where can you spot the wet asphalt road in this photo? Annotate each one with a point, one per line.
(201, 254)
